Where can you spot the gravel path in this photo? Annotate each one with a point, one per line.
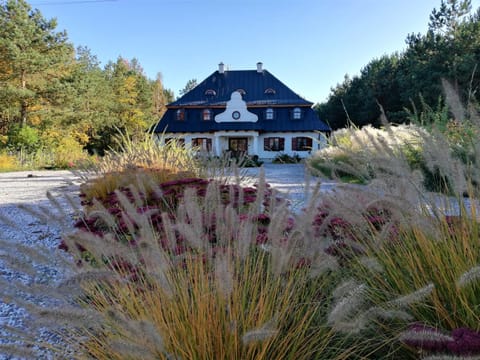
(18, 191)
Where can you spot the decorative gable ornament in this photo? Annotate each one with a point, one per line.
(236, 111)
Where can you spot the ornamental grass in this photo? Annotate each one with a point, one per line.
(196, 268)
(140, 163)
(212, 277)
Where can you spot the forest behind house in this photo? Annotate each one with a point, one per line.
(58, 104)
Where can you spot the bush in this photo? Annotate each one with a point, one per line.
(287, 159)
(8, 162)
(24, 138)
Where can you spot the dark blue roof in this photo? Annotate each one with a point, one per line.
(252, 82)
(282, 121)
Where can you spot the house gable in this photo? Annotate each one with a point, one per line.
(236, 111)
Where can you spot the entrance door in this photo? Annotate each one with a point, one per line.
(238, 146)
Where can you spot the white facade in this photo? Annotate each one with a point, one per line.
(221, 142)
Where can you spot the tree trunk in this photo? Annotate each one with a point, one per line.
(23, 109)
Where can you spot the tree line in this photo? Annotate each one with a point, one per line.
(402, 84)
(52, 93)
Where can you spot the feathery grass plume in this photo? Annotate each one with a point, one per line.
(450, 357)
(389, 314)
(8, 221)
(345, 288)
(103, 215)
(321, 264)
(415, 297)
(38, 255)
(265, 332)
(243, 232)
(37, 214)
(453, 100)
(468, 277)
(18, 352)
(223, 274)
(348, 305)
(425, 335)
(371, 263)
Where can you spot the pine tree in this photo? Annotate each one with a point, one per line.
(33, 59)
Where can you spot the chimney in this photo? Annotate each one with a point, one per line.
(259, 67)
(221, 68)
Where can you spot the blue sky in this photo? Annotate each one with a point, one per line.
(308, 44)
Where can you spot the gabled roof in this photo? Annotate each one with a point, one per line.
(252, 82)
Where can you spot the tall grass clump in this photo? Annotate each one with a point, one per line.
(140, 163)
(233, 276)
(417, 287)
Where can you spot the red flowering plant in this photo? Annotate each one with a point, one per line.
(124, 214)
(431, 340)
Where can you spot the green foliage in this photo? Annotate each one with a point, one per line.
(48, 87)
(249, 161)
(31, 51)
(396, 82)
(287, 159)
(24, 138)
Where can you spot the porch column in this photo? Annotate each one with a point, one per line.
(217, 145)
(255, 145)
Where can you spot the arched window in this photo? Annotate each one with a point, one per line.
(180, 115)
(270, 91)
(297, 113)
(269, 114)
(210, 92)
(207, 114)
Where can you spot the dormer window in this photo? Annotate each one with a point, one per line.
(269, 114)
(180, 115)
(297, 113)
(241, 91)
(210, 92)
(270, 91)
(207, 115)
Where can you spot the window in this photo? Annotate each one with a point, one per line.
(274, 144)
(180, 115)
(269, 114)
(207, 115)
(301, 143)
(203, 144)
(297, 113)
(210, 92)
(269, 91)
